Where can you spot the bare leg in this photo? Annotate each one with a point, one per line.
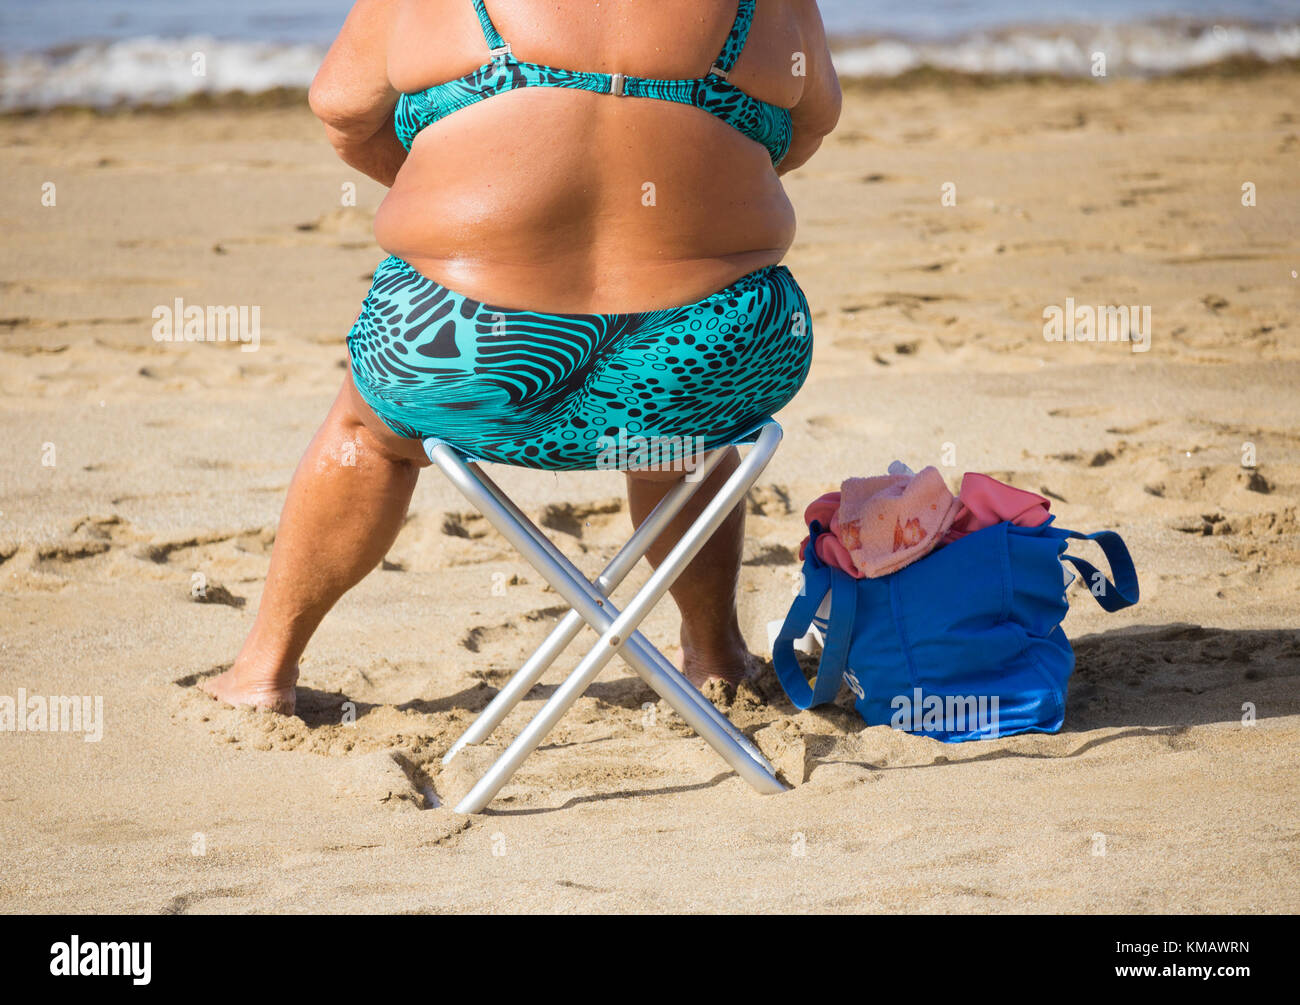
(345, 505)
(712, 645)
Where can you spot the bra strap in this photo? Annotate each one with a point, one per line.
(498, 45)
(735, 41)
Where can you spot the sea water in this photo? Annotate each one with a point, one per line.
(107, 52)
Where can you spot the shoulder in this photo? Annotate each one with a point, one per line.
(799, 20)
(351, 88)
(808, 16)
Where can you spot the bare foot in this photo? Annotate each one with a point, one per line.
(261, 692)
(732, 665)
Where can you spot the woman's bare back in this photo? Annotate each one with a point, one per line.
(569, 201)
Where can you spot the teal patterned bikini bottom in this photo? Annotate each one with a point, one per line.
(552, 391)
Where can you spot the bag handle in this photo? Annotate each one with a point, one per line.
(817, 579)
(1117, 595)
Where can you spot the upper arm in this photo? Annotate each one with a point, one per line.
(819, 107)
(351, 92)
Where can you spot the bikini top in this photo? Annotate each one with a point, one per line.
(767, 124)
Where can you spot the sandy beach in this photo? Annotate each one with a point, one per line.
(141, 483)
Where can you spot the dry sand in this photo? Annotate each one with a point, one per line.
(172, 460)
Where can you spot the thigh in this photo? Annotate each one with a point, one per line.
(634, 475)
(691, 464)
(383, 439)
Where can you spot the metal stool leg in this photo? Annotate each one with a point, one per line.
(571, 624)
(617, 634)
(657, 671)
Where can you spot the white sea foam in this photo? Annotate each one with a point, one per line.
(152, 70)
(1130, 50)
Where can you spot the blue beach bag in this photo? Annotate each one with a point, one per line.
(963, 644)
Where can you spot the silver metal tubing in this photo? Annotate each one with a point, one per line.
(619, 632)
(597, 610)
(531, 672)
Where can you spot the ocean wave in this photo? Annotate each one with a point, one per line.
(150, 70)
(1130, 50)
(144, 71)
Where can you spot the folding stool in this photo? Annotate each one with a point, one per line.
(590, 604)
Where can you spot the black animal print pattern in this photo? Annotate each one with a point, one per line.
(552, 390)
(767, 124)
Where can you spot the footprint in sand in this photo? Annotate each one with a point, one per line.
(580, 519)
(386, 749)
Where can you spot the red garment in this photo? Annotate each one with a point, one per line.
(829, 547)
(986, 501)
(982, 502)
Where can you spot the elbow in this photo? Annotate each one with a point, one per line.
(328, 104)
(337, 107)
(347, 122)
(830, 116)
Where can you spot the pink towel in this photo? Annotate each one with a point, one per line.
(890, 521)
(982, 502)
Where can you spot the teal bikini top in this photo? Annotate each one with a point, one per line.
(767, 124)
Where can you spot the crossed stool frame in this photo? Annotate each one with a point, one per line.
(590, 605)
